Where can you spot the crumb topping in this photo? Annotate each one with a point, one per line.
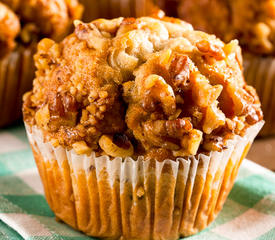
(147, 86)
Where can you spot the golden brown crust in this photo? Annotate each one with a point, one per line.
(250, 21)
(157, 81)
(9, 29)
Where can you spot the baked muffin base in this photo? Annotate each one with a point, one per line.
(137, 199)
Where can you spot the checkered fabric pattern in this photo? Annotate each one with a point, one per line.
(249, 212)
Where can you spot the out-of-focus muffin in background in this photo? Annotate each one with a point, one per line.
(22, 24)
(252, 22)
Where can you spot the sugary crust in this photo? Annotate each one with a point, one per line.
(9, 29)
(250, 21)
(156, 82)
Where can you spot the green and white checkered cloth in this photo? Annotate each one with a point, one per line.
(249, 212)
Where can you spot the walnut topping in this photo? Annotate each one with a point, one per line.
(210, 49)
(190, 144)
(172, 128)
(213, 143)
(158, 91)
(129, 87)
(203, 93)
(180, 72)
(109, 145)
(91, 35)
(42, 116)
(81, 148)
(214, 118)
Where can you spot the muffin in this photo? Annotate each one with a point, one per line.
(253, 24)
(138, 126)
(94, 9)
(22, 25)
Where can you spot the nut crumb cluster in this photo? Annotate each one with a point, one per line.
(250, 21)
(145, 86)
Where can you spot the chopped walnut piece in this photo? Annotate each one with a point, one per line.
(91, 35)
(158, 91)
(203, 93)
(81, 148)
(42, 117)
(214, 118)
(190, 144)
(210, 49)
(213, 143)
(116, 146)
(180, 72)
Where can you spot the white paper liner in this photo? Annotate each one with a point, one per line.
(259, 72)
(137, 199)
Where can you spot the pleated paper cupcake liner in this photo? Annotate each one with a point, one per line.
(137, 199)
(260, 73)
(16, 76)
(94, 9)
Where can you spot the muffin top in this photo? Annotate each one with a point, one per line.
(252, 22)
(127, 87)
(36, 18)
